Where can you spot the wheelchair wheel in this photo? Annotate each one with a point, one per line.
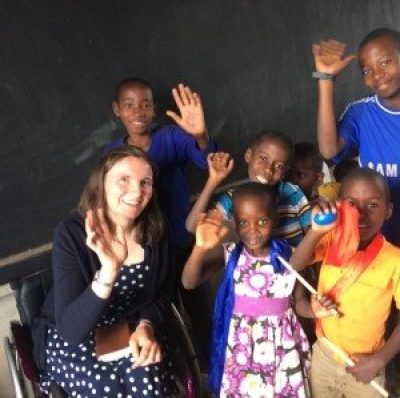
(23, 387)
(184, 358)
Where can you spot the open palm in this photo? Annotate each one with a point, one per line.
(329, 56)
(111, 248)
(210, 230)
(191, 118)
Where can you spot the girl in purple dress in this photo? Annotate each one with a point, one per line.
(259, 348)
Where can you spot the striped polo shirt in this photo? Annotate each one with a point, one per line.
(293, 209)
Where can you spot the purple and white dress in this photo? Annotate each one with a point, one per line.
(267, 353)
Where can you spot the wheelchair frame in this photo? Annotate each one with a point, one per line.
(18, 346)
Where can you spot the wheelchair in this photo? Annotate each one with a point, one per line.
(30, 291)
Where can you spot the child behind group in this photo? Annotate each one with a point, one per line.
(259, 348)
(363, 288)
(268, 159)
(306, 169)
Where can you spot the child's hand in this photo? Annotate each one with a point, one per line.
(367, 367)
(220, 164)
(210, 230)
(329, 56)
(323, 306)
(324, 206)
(191, 117)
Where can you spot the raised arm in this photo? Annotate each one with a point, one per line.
(329, 59)
(303, 255)
(220, 164)
(191, 117)
(207, 254)
(79, 302)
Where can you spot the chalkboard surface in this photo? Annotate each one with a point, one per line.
(249, 59)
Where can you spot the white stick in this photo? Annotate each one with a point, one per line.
(304, 282)
(349, 362)
(298, 276)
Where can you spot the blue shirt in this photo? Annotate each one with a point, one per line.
(171, 148)
(293, 209)
(374, 130)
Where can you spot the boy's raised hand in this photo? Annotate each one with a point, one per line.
(329, 56)
(324, 206)
(191, 118)
(210, 230)
(220, 164)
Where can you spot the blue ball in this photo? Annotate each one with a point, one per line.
(324, 218)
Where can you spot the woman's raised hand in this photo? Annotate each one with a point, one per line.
(329, 56)
(210, 229)
(111, 248)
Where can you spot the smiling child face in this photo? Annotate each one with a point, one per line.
(368, 195)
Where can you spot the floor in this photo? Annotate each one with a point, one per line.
(8, 312)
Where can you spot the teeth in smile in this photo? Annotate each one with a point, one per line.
(262, 179)
(130, 203)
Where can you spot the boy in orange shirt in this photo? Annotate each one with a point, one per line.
(363, 287)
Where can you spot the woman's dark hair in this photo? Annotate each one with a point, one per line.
(267, 192)
(150, 225)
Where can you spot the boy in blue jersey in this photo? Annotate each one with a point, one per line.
(171, 148)
(370, 125)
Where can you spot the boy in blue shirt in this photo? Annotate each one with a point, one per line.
(370, 125)
(170, 147)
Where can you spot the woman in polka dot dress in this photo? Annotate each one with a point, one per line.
(111, 262)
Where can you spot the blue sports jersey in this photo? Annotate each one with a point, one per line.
(374, 129)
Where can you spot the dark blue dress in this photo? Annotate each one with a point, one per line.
(76, 369)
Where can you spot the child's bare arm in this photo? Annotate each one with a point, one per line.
(303, 255)
(207, 254)
(329, 58)
(369, 366)
(220, 164)
(312, 306)
(191, 118)
(301, 299)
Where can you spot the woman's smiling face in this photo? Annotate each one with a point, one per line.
(128, 188)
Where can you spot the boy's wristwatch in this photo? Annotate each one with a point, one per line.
(322, 76)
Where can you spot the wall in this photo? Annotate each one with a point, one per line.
(249, 59)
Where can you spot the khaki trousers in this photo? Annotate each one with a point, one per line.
(330, 380)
